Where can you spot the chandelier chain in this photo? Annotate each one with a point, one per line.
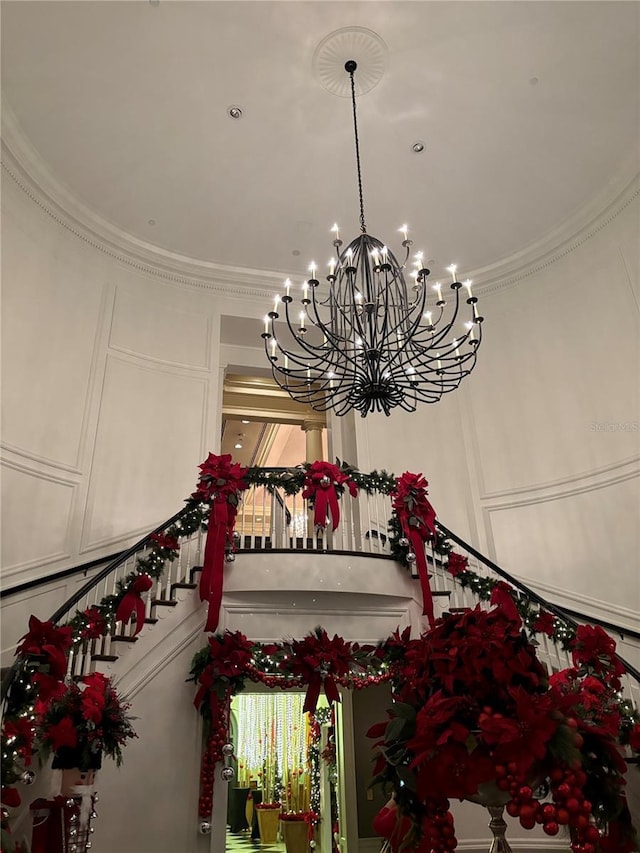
(363, 227)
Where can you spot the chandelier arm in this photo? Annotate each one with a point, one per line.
(396, 359)
(311, 349)
(326, 330)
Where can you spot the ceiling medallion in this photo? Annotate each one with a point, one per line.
(372, 343)
(341, 45)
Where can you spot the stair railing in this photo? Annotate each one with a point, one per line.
(270, 519)
(555, 654)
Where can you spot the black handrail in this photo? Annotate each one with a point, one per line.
(121, 558)
(95, 580)
(85, 588)
(83, 568)
(531, 595)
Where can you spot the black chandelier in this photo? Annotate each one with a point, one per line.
(372, 343)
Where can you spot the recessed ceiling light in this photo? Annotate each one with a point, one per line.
(244, 422)
(295, 253)
(238, 446)
(417, 147)
(234, 111)
(534, 81)
(151, 221)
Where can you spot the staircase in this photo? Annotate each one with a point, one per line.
(277, 529)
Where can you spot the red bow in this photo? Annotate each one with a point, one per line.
(317, 659)
(418, 521)
(44, 638)
(320, 486)
(132, 601)
(229, 656)
(220, 482)
(502, 597)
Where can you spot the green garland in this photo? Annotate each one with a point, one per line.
(482, 587)
(292, 480)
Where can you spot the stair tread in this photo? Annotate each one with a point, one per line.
(109, 658)
(123, 638)
(182, 585)
(163, 602)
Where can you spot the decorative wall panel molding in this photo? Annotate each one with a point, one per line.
(37, 462)
(160, 331)
(37, 511)
(354, 621)
(563, 487)
(581, 543)
(148, 444)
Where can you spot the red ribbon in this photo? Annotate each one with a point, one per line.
(132, 601)
(206, 680)
(221, 481)
(326, 498)
(221, 524)
(414, 536)
(320, 486)
(418, 521)
(316, 682)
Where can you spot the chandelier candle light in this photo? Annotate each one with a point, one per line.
(372, 343)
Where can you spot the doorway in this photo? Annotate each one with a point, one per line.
(282, 755)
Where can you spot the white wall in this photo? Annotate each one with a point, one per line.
(535, 458)
(110, 392)
(112, 377)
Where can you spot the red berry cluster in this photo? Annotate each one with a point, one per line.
(210, 757)
(438, 833)
(569, 807)
(573, 809)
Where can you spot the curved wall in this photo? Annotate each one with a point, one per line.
(112, 383)
(536, 456)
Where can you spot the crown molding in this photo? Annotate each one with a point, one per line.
(23, 163)
(593, 217)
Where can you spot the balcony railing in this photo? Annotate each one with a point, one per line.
(270, 519)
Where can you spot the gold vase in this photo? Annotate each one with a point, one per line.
(268, 820)
(296, 835)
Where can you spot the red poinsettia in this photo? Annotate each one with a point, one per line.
(545, 623)
(595, 649)
(456, 564)
(322, 482)
(62, 734)
(167, 543)
(475, 706)
(95, 624)
(94, 697)
(220, 477)
(48, 687)
(318, 660)
(524, 737)
(89, 717)
(46, 640)
(225, 670)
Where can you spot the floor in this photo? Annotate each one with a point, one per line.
(241, 842)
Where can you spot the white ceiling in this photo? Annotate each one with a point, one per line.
(126, 103)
